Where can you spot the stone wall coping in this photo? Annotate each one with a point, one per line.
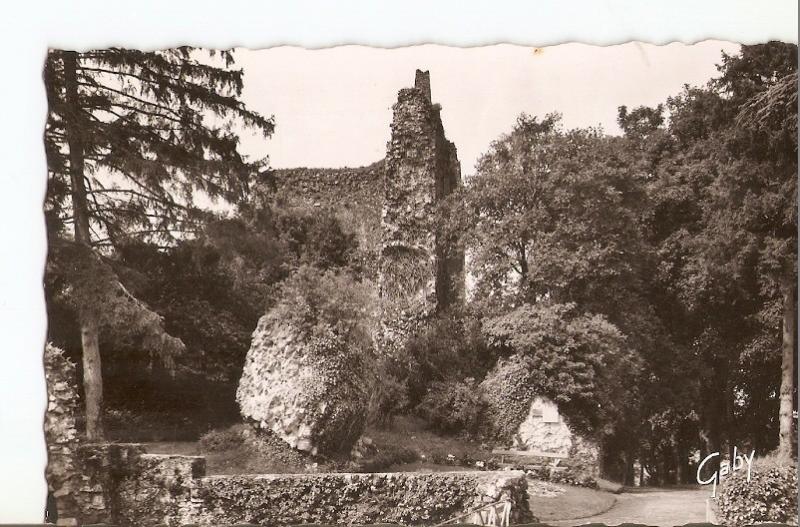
(143, 450)
(98, 444)
(304, 475)
(171, 456)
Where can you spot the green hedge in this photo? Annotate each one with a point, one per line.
(769, 496)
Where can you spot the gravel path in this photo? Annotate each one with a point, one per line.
(661, 508)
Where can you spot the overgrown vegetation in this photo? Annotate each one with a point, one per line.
(605, 269)
(453, 406)
(769, 496)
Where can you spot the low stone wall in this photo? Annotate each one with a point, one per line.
(160, 491)
(580, 468)
(124, 486)
(402, 497)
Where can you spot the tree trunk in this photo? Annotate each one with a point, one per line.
(628, 471)
(92, 380)
(787, 371)
(730, 419)
(90, 339)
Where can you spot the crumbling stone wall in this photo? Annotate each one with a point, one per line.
(102, 467)
(356, 194)
(545, 431)
(61, 431)
(420, 273)
(159, 490)
(309, 391)
(125, 486)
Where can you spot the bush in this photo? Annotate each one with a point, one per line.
(453, 406)
(385, 457)
(578, 360)
(223, 439)
(389, 396)
(451, 346)
(769, 496)
(508, 391)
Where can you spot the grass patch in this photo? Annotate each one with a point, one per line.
(570, 503)
(412, 433)
(406, 446)
(239, 459)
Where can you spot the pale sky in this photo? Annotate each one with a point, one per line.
(332, 106)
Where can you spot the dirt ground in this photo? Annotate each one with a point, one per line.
(659, 507)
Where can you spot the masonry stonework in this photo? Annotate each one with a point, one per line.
(125, 486)
(419, 274)
(545, 431)
(336, 498)
(61, 432)
(308, 390)
(355, 194)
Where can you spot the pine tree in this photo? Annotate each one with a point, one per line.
(132, 139)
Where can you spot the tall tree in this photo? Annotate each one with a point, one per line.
(754, 197)
(553, 221)
(724, 221)
(772, 115)
(554, 215)
(131, 139)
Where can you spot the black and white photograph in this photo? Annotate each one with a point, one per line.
(421, 286)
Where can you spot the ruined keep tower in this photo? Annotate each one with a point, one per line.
(420, 274)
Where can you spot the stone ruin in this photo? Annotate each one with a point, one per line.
(420, 274)
(121, 484)
(531, 430)
(308, 391)
(286, 387)
(545, 433)
(61, 429)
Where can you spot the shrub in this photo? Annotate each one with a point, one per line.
(385, 457)
(389, 396)
(451, 346)
(223, 439)
(769, 496)
(507, 392)
(578, 360)
(453, 406)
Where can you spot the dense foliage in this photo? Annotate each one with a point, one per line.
(453, 406)
(679, 238)
(131, 138)
(768, 496)
(575, 360)
(644, 282)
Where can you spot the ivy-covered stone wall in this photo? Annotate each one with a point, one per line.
(403, 497)
(61, 431)
(419, 272)
(308, 390)
(356, 194)
(125, 486)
